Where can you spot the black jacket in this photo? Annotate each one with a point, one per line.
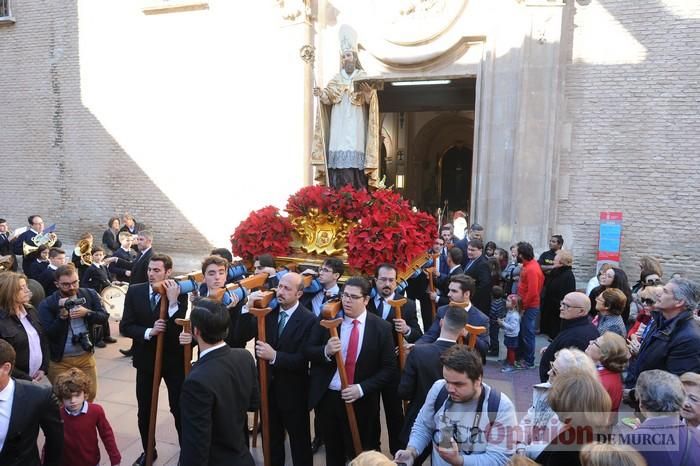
(475, 318)
(56, 328)
(139, 268)
(480, 271)
(576, 333)
(96, 278)
(12, 331)
(408, 312)
(561, 282)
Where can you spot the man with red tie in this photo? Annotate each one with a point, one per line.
(366, 344)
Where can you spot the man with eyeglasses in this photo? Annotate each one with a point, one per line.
(328, 276)
(385, 285)
(459, 415)
(70, 326)
(367, 347)
(36, 226)
(576, 330)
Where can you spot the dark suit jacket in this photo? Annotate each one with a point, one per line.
(216, 396)
(96, 278)
(375, 367)
(576, 333)
(422, 369)
(33, 406)
(47, 279)
(17, 243)
(12, 331)
(481, 273)
(36, 269)
(289, 375)
(138, 317)
(475, 318)
(139, 268)
(408, 312)
(110, 241)
(444, 286)
(125, 261)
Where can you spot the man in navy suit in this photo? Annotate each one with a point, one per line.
(477, 267)
(36, 226)
(217, 394)
(287, 329)
(454, 259)
(24, 407)
(460, 290)
(139, 268)
(423, 368)
(367, 347)
(328, 276)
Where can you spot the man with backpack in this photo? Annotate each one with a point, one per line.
(467, 421)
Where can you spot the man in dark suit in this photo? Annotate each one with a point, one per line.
(217, 394)
(24, 407)
(423, 368)
(141, 322)
(36, 226)
(366, 345)
(454, 259)
(477, 267)
(461, 289)
(47, 279)
(139, 269)
(385, 285)
(328, 276)
(287, 329)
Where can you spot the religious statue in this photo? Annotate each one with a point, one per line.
(346, 142)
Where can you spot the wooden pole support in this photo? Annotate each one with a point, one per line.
(397, 304)
(157, 369)
(187, 328)
(260, 314)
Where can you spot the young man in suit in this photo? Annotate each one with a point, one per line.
(366, 344)
(24, 407)
(287, 329)
(141, 322)
(328, 276)
(139, 269)
(386, 284)
(423, 368)
(460, 290)
(454, 259)
(477, 267)
(217, 394)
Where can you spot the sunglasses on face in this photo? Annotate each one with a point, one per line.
(647, 301)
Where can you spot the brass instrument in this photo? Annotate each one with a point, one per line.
(49, 239)
(84, 250)
(28, 249)
(6, 262)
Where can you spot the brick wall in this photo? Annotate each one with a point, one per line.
(632, 91)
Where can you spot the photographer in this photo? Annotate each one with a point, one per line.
(70, 317)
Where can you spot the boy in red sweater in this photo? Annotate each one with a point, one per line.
(81, 422)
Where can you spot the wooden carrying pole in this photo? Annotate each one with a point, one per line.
(187, 328)
(431, 284)
(260, 313)
(158, 367)
(330, 310)
(397, 304)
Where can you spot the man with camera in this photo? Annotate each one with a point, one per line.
(70, 317)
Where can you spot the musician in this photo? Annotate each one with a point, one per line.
(454, 259)
(139, 268)
(287, 330)
(39, 264)
(77, 256)
(71, 328)
(328, 276)
(141, 322)
(36, 227)
(385, 283)
(5, 242)
(217, 394)
(366, 345)
(121, 269)
(97, 278)
(47, 279)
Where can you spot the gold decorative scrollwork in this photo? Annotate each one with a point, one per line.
(321, 233)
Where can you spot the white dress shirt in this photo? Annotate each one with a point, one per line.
(172, 310)
(345, 330)
(7, 396)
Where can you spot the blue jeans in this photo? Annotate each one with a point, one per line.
(526, 339)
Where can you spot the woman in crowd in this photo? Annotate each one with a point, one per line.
(110, 238)
(690, 411)
(650, 275)
(561, 282)
(511, 273)
(595, 280)
(610, 354)
(610, 304)
(20, 326)
(490, 249)
(647, 298)
(610, 454)
(613, 278)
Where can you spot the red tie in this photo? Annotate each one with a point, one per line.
(351, 357)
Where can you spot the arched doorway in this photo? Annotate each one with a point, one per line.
(455, 178)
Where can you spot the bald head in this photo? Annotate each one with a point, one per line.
(574, 305)
(289, 290)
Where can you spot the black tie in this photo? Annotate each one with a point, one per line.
(154, 301)
(380, 307)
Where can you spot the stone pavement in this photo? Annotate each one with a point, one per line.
(116, 393)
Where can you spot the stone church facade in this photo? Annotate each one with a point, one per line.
(534, 116)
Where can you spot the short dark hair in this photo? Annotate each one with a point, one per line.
(491, 245)
(2, 220)
(54, 252)
(335, 264)
(497, 292)
(476, 243)
(110, 221)
(223, 252)
(560, 239)
(68, 269)
(455, 319)
(214, 259)
(7, 353)
(94, 249)
(266, 260)
(525, 250)
(386, 265)
(456, 255)
(31, 218)
(211, 318)
(476, 227)
(361, 283)
(465, 282)
(461, 358)
(164, 258)
(71, 381)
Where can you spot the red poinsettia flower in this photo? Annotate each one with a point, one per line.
(349, 203)
(319, 197)
(265, 231)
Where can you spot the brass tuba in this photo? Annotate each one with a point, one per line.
(28, 249)
(84, 250)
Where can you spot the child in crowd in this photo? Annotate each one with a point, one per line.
(81, 422)
(511, 327)
(497, 311)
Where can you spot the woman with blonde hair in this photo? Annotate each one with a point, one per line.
(21, 328)
(608, 454)
(610, 354)
(690, 411)
(371, 458)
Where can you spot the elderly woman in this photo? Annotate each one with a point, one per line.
(535, 425)
(20, 326)
(647, 299)
(561, 282)
(583, 408)
(691, 406)
(661, 397)
(610, 354)
(610, 304)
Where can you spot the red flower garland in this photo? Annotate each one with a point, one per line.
(265, 231)
(319, 197)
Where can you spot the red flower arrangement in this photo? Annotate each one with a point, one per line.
(319, 197)
(350, 204)
(265, 231)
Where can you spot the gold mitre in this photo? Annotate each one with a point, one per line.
(348, 39)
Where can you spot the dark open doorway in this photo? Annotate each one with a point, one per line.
(455, 178)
